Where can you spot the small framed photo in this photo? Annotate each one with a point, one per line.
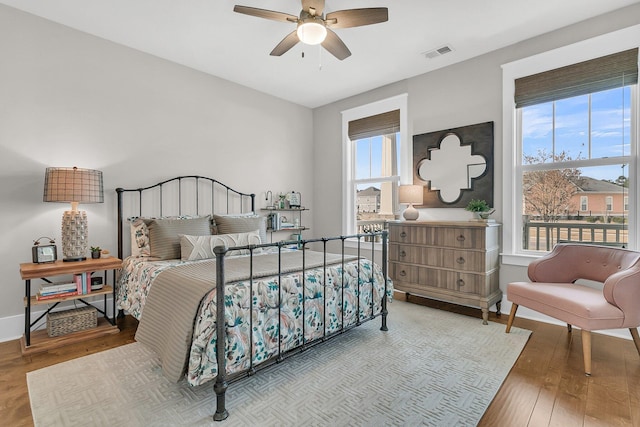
(294, 199)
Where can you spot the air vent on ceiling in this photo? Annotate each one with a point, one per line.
(434, 53)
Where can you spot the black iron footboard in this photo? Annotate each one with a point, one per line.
(222, 379)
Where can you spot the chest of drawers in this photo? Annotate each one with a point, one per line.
(456, 262)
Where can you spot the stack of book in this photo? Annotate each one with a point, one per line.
(57, 290)
(83, 283)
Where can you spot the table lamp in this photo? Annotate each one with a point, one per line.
(411, 194)
(74, 185)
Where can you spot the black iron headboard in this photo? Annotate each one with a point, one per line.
(190, 194)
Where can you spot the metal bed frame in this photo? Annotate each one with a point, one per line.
(242, 199)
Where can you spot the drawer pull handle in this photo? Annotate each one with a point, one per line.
(403, 254)
(460, 238)
(460, 282)
(403, 234)
(460, 260)
(403, 273)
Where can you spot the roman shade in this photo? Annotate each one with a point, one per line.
(598, 74)
(380, 124)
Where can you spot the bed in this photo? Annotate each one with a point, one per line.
(184, 261)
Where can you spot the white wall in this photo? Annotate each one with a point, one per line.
(461, 94)
(71, 99)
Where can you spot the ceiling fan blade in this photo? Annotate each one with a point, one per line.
(357, 17)
(318, 5)
(266, 14)
(287, 43)
(336, 46)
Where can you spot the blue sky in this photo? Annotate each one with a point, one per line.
(369, 158)
(610, 129)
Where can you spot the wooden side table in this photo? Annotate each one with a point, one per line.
(39, 340)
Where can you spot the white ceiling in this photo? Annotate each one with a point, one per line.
(208, 36)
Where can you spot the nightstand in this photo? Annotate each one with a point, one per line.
(39, 340)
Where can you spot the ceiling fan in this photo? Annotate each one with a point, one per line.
(315, 28)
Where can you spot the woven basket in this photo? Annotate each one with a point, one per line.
(77, 319)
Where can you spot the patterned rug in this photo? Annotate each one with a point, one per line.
(431, 368)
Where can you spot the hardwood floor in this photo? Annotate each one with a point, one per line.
(546, 387)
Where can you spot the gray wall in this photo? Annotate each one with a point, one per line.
(71, 99)
(461, 94)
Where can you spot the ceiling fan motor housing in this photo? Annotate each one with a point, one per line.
(311, 29)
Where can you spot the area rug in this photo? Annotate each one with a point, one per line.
(431, 368)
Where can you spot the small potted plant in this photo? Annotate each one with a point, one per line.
(480, 208)
(95, 252)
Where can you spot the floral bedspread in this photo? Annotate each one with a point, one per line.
(325, 310)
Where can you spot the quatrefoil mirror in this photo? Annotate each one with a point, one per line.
(454, 165)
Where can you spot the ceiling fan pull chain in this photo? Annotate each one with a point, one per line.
(320, 58)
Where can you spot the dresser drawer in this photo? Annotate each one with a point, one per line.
(464, 238)
(448, 280)
(464, 260)
(415, 254)
(412, 234)
(403, 272)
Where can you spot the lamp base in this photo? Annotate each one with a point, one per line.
(74, 259)
(75, 236)
(411, 213)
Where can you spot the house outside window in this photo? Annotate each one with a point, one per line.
(571, 148)
(374, 155)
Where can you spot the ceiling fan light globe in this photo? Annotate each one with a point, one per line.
(311, 33)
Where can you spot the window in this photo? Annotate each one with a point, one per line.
(376, 180)
(373, 156)
(573, 150)
(584, 203)
(608, 201)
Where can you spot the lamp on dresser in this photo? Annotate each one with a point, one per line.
(74, 185)
(411, 194)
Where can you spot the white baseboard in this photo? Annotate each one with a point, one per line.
(12, 327)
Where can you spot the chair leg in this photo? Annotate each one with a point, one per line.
(636, 338)
(586, 351)
(512, 315)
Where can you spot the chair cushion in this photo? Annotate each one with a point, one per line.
(574, 304)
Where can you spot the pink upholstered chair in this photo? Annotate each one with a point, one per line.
(553, 290)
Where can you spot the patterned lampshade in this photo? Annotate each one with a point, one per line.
(74, 185)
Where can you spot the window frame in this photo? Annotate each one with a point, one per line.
(399, 102)
(512, 150)
(608, 203)
(584, 203)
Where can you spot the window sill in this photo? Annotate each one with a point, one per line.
(521, 260)
(353, 243)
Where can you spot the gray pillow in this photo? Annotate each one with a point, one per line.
(164, 234)
(241, 224)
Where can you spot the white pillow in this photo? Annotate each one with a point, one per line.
(193, 248)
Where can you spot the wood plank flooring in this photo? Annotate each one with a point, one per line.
(546, 387)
